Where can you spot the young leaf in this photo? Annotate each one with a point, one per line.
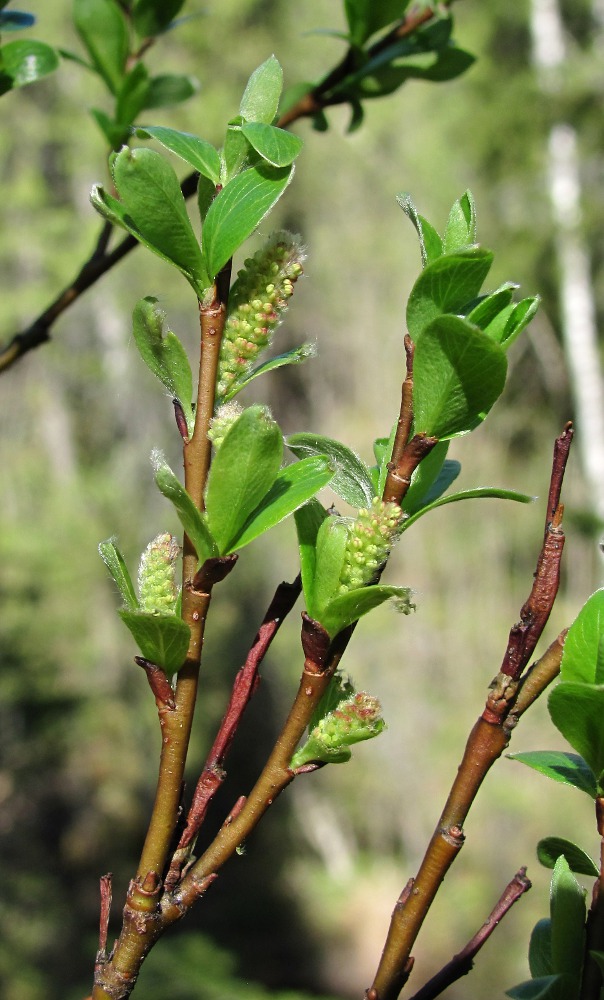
(278, 147)
(114, 561)
(520, 317)
(198, 153)
(567, 908)
(445, 286)
(243, 471)
(23, 62)
(164, 355)
(460, 231)
(152, 17)
(583, 655)
(351, 480)
(309, 519)
(382, 449)
(330, 549)
(293, 487)
(366, 17)
(551, 848)
(540, 949)
(102, 28)
(294, 357)
(568, 768)
(480, 492)
(163, 639)
(458, 375)
(168, 89)
(543, 988)
(191, 519)
(577, 710)
(260, 99)
(132, 94)
(154, 211)
(430, 243)
(348, 608)
(238, 209)
(486, 311)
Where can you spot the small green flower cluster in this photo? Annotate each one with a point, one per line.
(156, 575)
(357, 718)
(258, 300)
(222, 421)
(370, 539)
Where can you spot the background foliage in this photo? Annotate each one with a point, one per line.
(78, 419)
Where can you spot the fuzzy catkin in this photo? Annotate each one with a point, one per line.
(370, 539)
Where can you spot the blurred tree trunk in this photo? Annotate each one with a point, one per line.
(579, 331)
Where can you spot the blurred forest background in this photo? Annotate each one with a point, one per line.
(308, 905)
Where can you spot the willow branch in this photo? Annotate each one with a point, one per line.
(488, 739)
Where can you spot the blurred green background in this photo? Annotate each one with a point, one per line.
(306, 908)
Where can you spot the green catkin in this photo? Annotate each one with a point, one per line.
(258, 301)
(222, 421)
(156, 575)
(353, 720)
(370, 539)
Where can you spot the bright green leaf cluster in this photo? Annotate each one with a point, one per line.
(557, 945)
(257, 303)
(158, 630)
(343, 717)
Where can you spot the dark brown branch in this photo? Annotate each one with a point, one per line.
(106, 894)
(463, 962)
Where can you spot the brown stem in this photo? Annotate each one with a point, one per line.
(244, 687)
(463, 962)
(487, 741)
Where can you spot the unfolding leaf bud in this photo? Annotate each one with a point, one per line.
(257, 303)
(222, 421)
(370, 539)
(156, 575)
(355, 719)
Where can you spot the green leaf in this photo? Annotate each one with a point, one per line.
(567, 906)
(379, 77)
(486, 311)
(330, 549)
(478, 493)
(294, 357)
(460, 231)
(153, 17)
(163, 639)
(309, 519)
(445, 286)
(567, 768)
(260, 99)
(293, 487)
(551, 848)
(238, 209)
(114, 561)
(386, 455)
(458, 374)
(242, 473)
(114, 132)
(198, 153)
(351, 480)
(543, 988)
(132, 96)
(23, 62)
(164, 355)
(520, 317)
(278, 147)
(366, 17)
(154, 211)
(540, 949)
(168, 89)
(577, 710)
(583, 655)
(192, 520)
(102, 28)
(348, 608)
(430, 243)
(235, 152)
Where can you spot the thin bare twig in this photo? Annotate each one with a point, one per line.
(463, 962)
